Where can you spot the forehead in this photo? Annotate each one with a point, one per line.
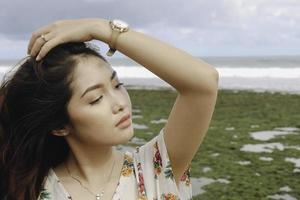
(89, 71)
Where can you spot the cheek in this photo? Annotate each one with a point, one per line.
(92, 126)
(89, 117)
(93, 117)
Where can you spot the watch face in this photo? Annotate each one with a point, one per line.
(120, 23)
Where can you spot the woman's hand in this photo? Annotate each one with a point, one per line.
(63, 31)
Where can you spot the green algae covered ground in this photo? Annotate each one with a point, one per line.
(245, 174)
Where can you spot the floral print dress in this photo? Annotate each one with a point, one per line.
(146, 175)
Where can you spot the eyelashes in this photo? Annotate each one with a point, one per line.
(117, 86)
(94, 102)
(97, 100)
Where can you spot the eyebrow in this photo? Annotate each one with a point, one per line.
(100, 85)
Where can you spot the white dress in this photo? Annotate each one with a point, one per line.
(155, 180)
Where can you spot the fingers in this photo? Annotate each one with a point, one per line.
(47, 47)
(39, 42)
(36, 35)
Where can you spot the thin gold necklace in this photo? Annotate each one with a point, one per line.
(98, 196)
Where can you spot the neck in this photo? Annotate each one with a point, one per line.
(92, 167)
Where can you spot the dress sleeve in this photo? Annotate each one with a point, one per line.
(159, 181)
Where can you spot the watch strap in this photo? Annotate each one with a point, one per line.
(111, 52)
(112, 43)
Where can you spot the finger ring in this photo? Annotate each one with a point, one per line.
(43, 37)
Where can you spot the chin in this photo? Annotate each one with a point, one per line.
(126, 135)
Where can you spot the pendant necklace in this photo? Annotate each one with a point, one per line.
(98, 196)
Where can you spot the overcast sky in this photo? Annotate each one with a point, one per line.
(200, 27)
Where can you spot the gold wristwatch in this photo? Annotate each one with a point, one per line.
(118, 27)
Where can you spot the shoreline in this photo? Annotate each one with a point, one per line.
(232, 83)
(225, 84)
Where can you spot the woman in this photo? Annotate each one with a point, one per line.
(61, 110)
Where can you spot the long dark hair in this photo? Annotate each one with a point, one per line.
(33, 103)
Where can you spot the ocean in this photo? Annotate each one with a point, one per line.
(265, 73)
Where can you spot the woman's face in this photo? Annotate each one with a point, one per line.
(95, 113)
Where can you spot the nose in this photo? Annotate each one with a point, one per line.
(118, 101)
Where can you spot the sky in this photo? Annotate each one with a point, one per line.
(199, 27)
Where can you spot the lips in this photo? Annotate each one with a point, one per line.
(123, 119)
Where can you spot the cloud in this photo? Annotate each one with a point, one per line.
(206, 23)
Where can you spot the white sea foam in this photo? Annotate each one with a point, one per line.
(245, 162)
(160, 121)
(296, 161)
(285, 189)
(282, 197)
(258, 148)
(199, 183)
(206, 169)
(224, 72)
(257, 74)
(268, 135)
(272, 72)
(265, 158)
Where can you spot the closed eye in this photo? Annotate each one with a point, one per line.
(94, 102)
(97, 100)
(118, 86)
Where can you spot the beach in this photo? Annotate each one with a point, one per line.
(251, 149)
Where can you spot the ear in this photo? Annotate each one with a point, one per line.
(61, 132)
